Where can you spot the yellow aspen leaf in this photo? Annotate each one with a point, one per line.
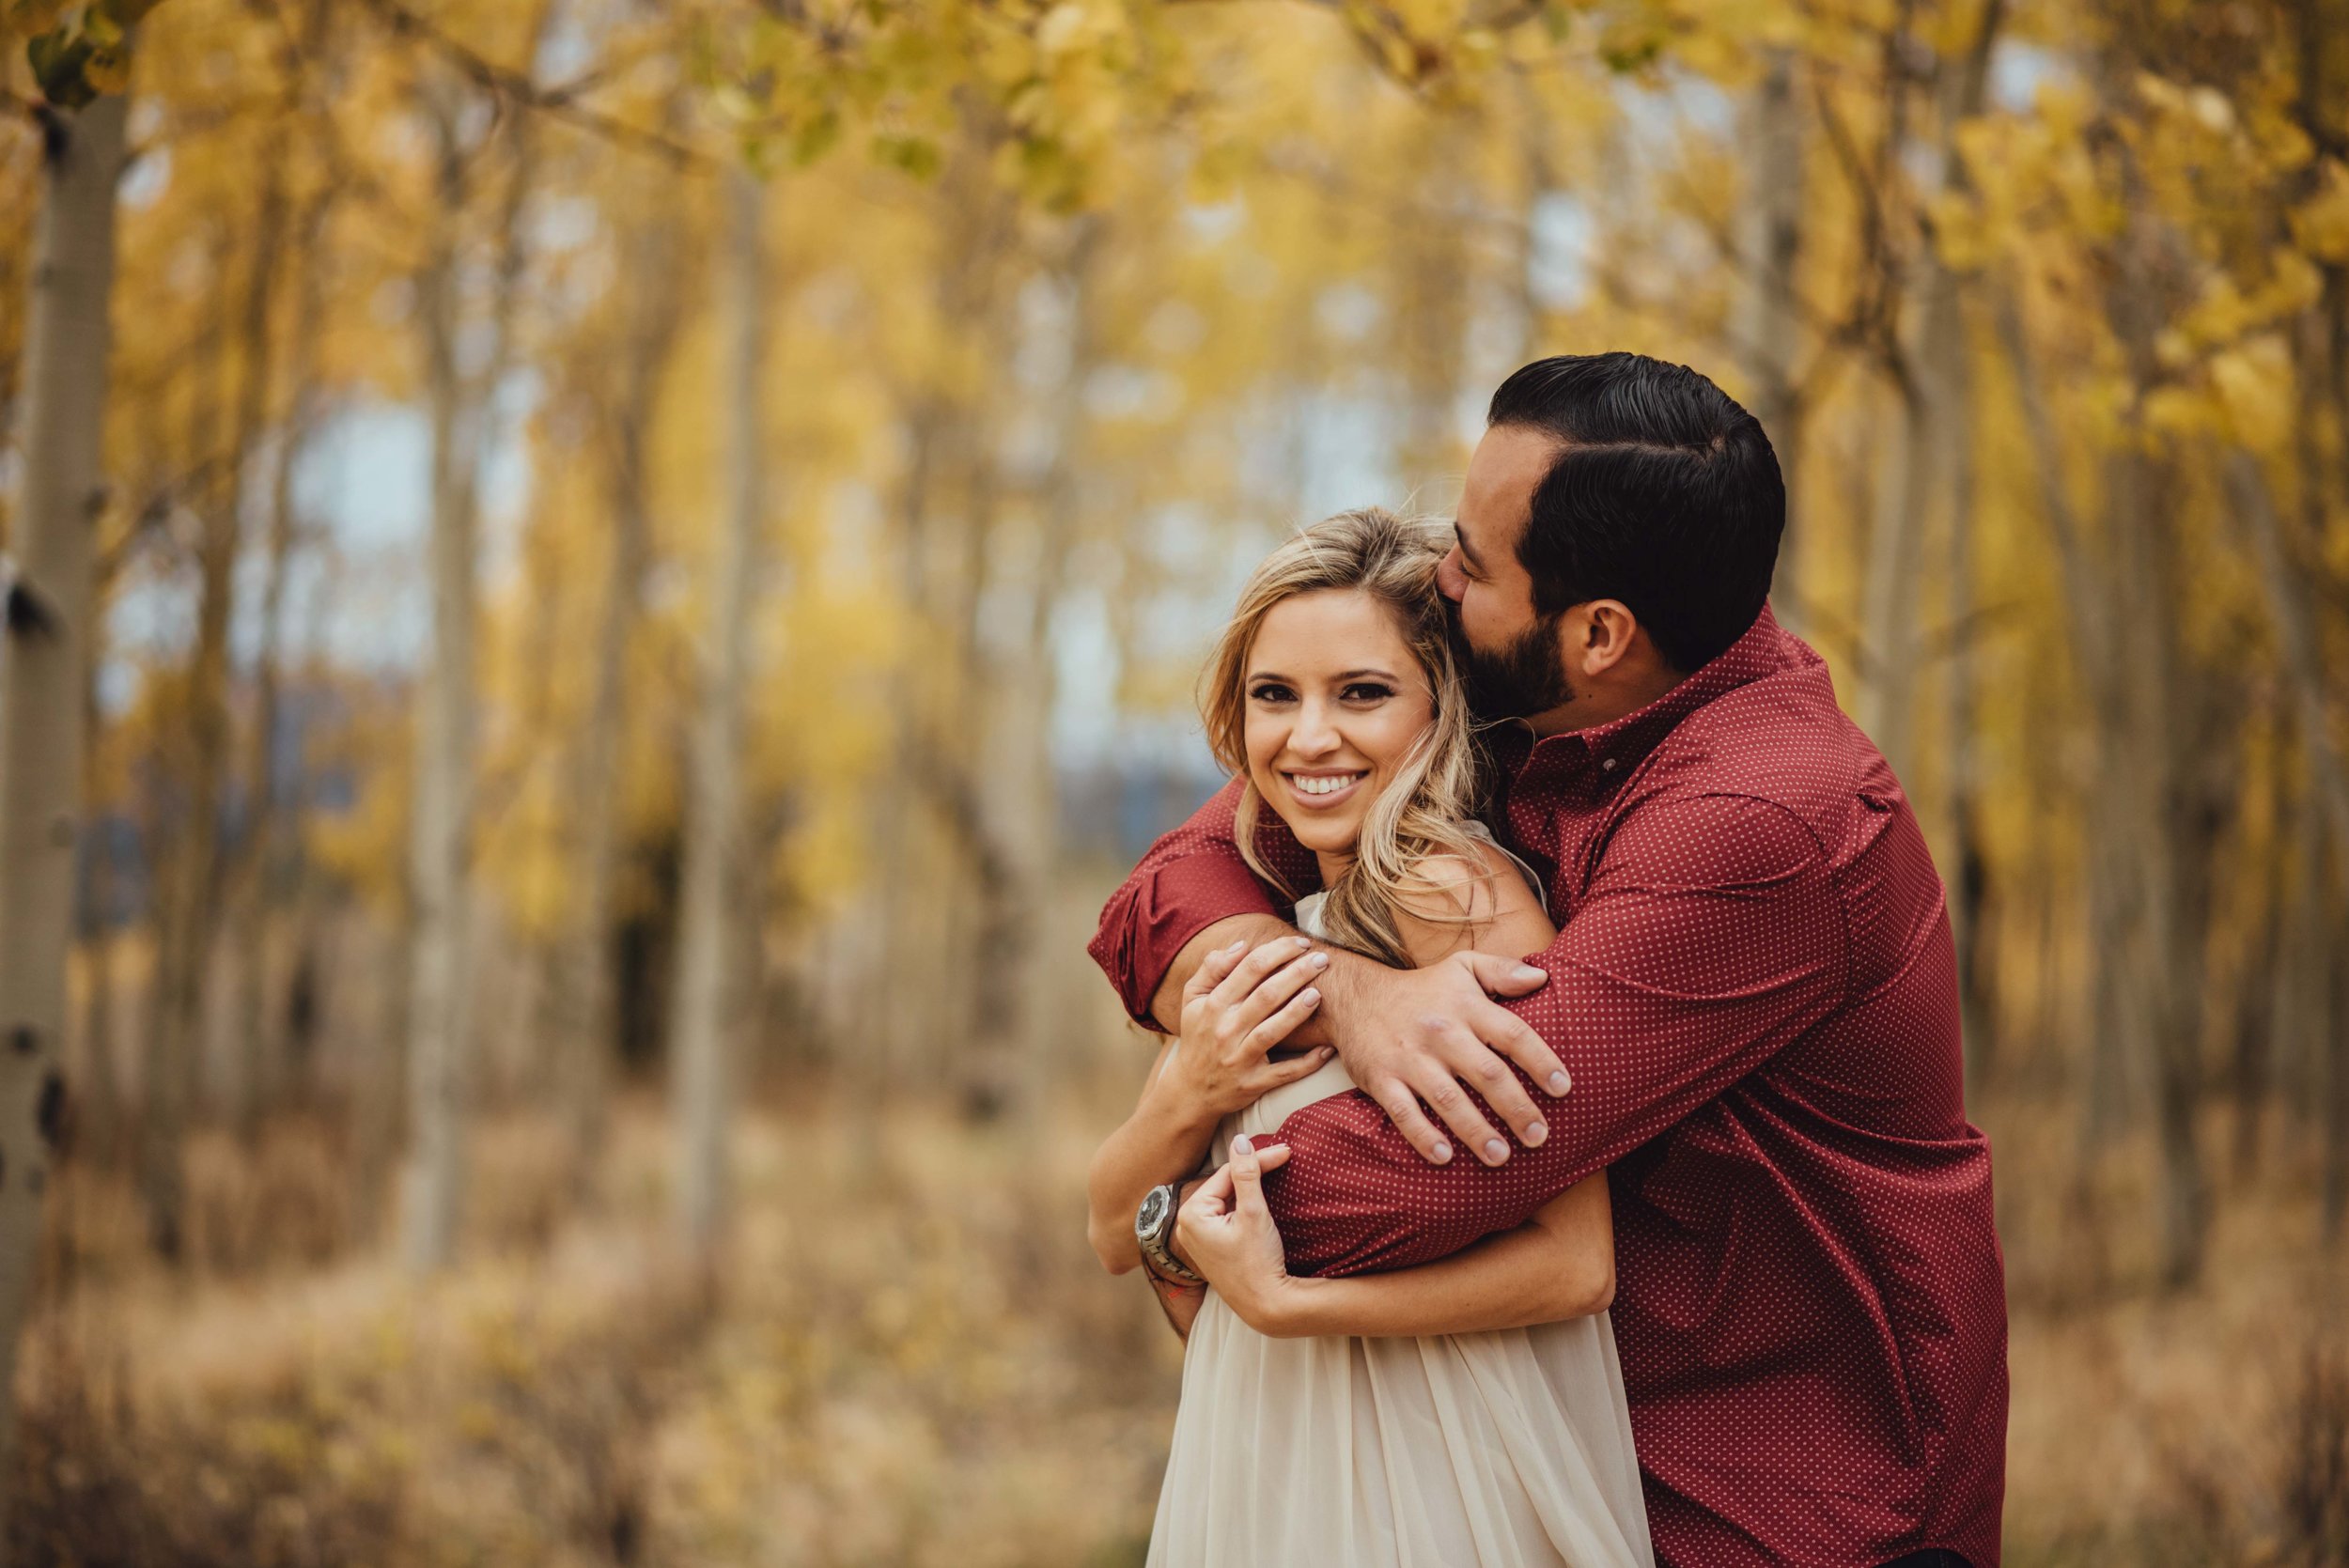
(2177, 411)
(2321, 224)
(2159, 93)
(108, 69)
(2293, 285)
(2211, 110)
(1065, 28)
(1959, 233)
(2254, 386)
(2283, 146)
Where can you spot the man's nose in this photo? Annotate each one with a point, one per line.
(1451, 581)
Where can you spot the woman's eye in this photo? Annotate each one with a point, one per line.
(1271, 692)
(1367, 691)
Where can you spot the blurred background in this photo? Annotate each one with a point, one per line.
(643, 566)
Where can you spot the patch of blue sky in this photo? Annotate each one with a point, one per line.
(2019, 69)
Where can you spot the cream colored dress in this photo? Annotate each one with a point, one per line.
(1495, 1449)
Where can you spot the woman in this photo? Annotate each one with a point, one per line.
(1469, 1411)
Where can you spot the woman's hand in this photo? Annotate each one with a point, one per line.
(1235, 1009)
(1227, 1234)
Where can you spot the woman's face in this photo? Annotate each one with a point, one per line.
(1335, 703)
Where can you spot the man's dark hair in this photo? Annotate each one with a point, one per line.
(1665, 494)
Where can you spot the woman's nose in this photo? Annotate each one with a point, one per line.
(1314, 732)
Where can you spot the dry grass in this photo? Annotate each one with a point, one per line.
(911, 1359)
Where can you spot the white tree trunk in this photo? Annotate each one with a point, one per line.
(1932, 383)
(259, 1046)
(439, 1017)
(652, 320)
(710, 954)
(2296, 633)
(44, 650)
(1770, 306)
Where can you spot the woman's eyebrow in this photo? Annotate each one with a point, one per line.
(1343, 675)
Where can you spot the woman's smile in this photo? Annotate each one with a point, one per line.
(1320, 789)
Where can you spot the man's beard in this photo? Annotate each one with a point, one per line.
(1522, 679)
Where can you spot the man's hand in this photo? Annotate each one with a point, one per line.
(1415, 1036)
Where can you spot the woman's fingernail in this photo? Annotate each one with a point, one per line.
(1309, 996)
(1558, 1083)
(1495, 1151)
(1537, 1135)
(1302, 941)
(1443, 1153)
(1239, 1144)
(1317, 961)
(1528, 973)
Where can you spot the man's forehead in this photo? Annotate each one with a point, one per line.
(1509, 464)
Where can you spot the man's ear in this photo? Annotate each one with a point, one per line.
(1603, 632)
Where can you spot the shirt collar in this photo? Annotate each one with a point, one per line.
(1621, 744)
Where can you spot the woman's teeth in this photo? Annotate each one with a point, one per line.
(1328, 784)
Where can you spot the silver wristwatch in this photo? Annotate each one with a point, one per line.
(1154, 1223)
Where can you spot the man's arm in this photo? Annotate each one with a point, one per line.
(1151, 931)
(1711, 937)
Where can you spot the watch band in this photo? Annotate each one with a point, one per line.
(1152, 1223)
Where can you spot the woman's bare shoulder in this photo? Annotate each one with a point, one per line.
(1460, 902)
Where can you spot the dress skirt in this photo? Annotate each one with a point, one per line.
(1495, 1449)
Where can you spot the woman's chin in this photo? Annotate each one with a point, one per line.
(1324, 837)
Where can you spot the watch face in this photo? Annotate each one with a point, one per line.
(1152, 1213)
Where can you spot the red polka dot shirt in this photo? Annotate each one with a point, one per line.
(1754, 989)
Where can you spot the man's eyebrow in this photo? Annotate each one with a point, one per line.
(1461, 539)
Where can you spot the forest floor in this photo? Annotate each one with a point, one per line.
(911, 1358)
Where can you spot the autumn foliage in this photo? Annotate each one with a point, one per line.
(471, 1140)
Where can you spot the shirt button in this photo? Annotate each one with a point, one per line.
(1608, 763)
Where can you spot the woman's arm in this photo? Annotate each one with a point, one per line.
(1161, 1142)
(1235, 1009)
(1559, 1265)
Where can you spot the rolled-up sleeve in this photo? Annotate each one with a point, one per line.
(1190, 879)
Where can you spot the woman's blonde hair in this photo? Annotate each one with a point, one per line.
(1423, 810)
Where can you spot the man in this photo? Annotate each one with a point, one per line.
(1749, 1012)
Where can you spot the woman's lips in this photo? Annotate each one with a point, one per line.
(1321, 802)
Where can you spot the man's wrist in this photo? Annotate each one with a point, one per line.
(1341, 985)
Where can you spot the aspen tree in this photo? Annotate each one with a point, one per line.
(710, 984)
(46, 638)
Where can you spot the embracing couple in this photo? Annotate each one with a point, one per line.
(1558, 1152)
